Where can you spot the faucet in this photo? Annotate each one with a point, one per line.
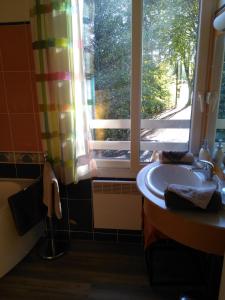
(207, 169)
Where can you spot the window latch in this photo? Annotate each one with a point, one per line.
(208, 98)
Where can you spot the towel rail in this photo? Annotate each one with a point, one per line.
(51, 248)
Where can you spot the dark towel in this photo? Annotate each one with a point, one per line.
(27, 207)
(174, 201)
(176, 157)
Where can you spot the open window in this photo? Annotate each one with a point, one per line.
(144, 87)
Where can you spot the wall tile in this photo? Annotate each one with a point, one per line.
(29, 47)
(3, 107)
(13, 45)
(63, 236)
(1, 61)
(62, 190)
(18, 92)
(129, 232)
(24, 132)
(110, 237)
(81, 212)
(7, 157)
(7, 170)
(38, 131)
(30, 158)
(5, 134)
(81, 190)
(28, 170)
(63, 224)
(81, 235)
(133, 238)
(106, 231)
(34, 91)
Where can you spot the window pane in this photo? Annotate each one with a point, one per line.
(111, 78)
(168, 65)
(220, 131)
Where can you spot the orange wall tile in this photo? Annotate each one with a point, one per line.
(14, 47)
(5, 133)
(24, 132)
(19, 121)
(18, 92)
(3, 107)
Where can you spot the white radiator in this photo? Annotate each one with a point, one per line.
(116, 205)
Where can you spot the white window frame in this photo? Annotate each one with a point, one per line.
(215, 81)
(128, 169)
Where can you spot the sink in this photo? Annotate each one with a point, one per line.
(161, 175)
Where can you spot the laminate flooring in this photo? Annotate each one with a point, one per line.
(88, 270)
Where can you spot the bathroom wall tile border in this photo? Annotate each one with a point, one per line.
(22, 157)
(29, 158)
(7, 157)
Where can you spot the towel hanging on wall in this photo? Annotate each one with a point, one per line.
(51, 197)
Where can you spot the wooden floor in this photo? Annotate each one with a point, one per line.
(89, 270)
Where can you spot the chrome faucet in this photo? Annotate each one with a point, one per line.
(207, 169)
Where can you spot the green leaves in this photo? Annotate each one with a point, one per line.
(169, 40)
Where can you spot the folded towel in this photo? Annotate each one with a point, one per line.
(198, 196)
(184, 197)
(51, 197)
(182, 157)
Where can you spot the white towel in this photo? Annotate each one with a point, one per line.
(198, 196)
(53, 204)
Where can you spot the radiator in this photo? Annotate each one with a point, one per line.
(116, 205)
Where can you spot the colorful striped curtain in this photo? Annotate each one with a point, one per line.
(60, 60)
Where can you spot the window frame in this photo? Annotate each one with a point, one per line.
(215, 81)
(129, 168)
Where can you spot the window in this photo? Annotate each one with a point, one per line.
(143, 79)
(215, 94)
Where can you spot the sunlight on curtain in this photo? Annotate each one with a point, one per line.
(57, 33)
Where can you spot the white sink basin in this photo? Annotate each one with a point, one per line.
(161, 175)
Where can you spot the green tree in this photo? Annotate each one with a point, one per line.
(112, 48)
(169, 40)
(155, 89)
(171, 29)
(112, 25)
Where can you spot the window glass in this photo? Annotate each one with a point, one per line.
(111, 46)
(220, 131)
(170, 30)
